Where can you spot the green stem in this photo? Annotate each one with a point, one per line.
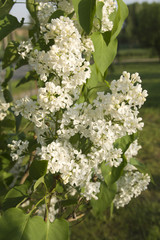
(35, 206)
(21, 202)
(27, 124)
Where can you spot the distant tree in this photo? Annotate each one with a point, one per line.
(148, 27)
(128, 35)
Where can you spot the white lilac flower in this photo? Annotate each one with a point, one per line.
(18, 151)
(64, 59)
(53, 98)
(130, 185)
(30, 110)
(108, 8)
(52, 211)
(24, 48)
(3, 106)
(45, 10)
(109, 117)
(132, 151)
(65, 6)
(74, 167)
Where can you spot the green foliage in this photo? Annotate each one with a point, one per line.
(112, 174)
(38, 169)
(10, 54)
(30, 76)
(105, 198)
(140, 219)
(6, 7)
(121, 15)
(86, 12)
(42, 184)
(16, 225)
(8, 76)
(8, 24)
(102, 60)
(99, 10)
(7, 96)
(125, 142)
(31, 6)
(16, 195)
(56, 14)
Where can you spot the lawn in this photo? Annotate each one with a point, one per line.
(140, 219)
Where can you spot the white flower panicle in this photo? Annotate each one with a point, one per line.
(54, 98)
(130, 185)
(108, 8)
(58, 118)
(52, 210)
(111, 116)
(133, 149)
(3, 106)
(25, 47)
(45, 10)
(18, 151)
(64, 59)
(66, 6)
(75, 167)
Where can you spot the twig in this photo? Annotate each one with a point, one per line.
(72, 219)
(25, 176)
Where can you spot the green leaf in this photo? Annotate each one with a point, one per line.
(7, 95)
(112, 174)
(50, 181)
(32, 145)
(140, 166)
(104, 54)
(99, 10)
(38, 169)
(86, 12)
(6, 7)
(4, 160)
(69, 202)
(106, 173)
(8, 123)
(121, 15)
(105, 198)
(30, 76)
(10, 54)
(56, 14)
(59, 188)
(16, 225)
(95, 84)
(125, 142)
(75, 4)
(31, 6)
(8, 24)
(8, 76)
(95, 78)
(18, 121)
(21, 62)
(15, 196)
(38, 182)
(58, 230)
